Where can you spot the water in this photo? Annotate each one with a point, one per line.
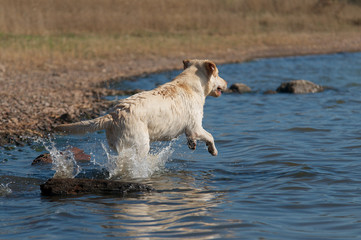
(288, 167)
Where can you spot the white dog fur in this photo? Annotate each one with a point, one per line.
(160, 114)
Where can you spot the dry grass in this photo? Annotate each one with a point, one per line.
(121, 17)
(36, 30)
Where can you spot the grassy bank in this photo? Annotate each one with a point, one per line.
(60, 30)
(134, 17)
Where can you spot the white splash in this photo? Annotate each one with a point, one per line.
(125, 165)
(129, 165)
(5, 189)
(64, 163)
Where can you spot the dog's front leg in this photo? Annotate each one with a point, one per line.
(191, 141)
(208, 138)
(202, 135)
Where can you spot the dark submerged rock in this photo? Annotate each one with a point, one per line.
(76, 186)
(79, 155)
(43, 158)
(239, 88)
(299, 87)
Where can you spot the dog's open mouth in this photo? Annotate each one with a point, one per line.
(219, 91)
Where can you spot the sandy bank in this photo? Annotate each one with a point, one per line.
(34, 100)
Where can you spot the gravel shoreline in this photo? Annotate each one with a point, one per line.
(34, 101)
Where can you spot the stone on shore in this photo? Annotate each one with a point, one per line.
(299, 87)
(78, 153)
(76, 186)
(239, 88)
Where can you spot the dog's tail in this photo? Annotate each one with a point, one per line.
(86, 126)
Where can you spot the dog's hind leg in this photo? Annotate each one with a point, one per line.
(137, 165)
(137, 138)
(132, 146)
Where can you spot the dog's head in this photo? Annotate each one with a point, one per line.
(212, 83)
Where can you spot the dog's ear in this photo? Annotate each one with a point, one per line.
(186, 63)
(210, 67)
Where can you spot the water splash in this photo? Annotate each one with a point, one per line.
(64, 163)
(5, 189)
(128, 164)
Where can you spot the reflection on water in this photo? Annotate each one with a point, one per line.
(176, 210)
(288, 167)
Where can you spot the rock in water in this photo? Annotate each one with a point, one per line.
(43, 158)
(239, 88)
(79, 156)
(75, 186)
(299, 87)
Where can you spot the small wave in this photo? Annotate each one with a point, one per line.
(307, 129)
(352, 147)
(353, 84)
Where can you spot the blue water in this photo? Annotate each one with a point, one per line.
(289, 167)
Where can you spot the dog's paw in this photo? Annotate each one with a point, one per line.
(192, 144)
(212, 150)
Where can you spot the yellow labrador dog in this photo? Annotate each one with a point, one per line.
(160, 114)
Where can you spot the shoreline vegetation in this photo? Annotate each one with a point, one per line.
(57, 57)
